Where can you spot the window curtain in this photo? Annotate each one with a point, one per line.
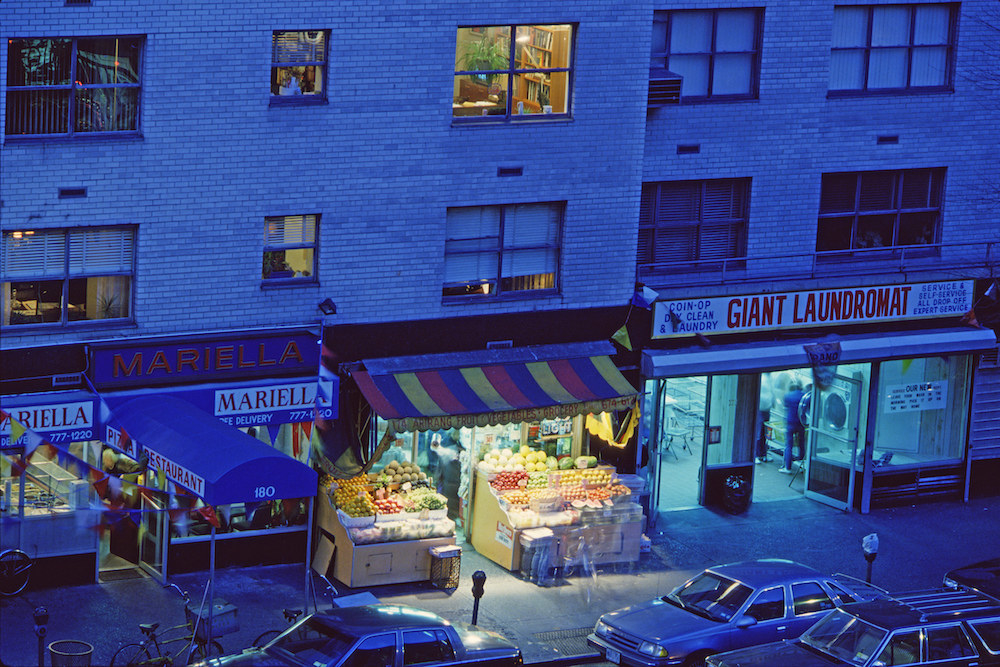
(103, 251)
(530, 241)
(472, 244)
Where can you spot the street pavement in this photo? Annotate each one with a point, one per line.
(917, 545)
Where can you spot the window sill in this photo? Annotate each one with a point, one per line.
(288, 282)
(523, 119)
(77, 325)
(890, 92)
(124, 137)
(298, 101)
(503, 298)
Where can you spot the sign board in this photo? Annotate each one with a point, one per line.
(930, 395)
(505, 535)
(794, 310)
(71, 421)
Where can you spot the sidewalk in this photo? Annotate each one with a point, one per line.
(917, 545)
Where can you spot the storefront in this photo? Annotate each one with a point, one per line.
(256, 391)
(470, 422)
(870, 387)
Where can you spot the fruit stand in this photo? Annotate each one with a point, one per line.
(374, 530)
(580, 501)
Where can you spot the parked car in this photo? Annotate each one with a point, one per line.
(983, 576)
(945, 628)
(723, 608)
(378, 635)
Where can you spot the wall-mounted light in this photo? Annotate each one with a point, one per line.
(328, 307)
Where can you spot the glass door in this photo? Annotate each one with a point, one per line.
(728, 442)
(153, 537)
(833, 415)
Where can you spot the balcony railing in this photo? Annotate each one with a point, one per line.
(931, 261)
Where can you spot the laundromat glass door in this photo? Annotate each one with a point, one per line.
(833, 417)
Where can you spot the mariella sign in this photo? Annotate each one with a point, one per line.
(184, 361)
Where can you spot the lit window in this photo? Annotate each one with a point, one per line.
(73, 86)
(716, 52)
(298, 65)
(57, 277)
(497, 250)
(892, 47)
(692, 223)
(497, 79)
(879, 209)
(289, 248)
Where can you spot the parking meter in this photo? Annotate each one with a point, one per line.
(478, 584)
(869, 544)
(41, 617)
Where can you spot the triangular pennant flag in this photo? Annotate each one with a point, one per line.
(272, 431)
(17, 429)
(308, 428)
(209, 513)
(621, 337)
(969, 319)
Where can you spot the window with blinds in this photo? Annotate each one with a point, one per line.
(62, 276)
(892, 47)
(69, 86)
(880, 209)
(692, 223)
(492, 251)
(298, 65)
(290, 248)
(716, 52)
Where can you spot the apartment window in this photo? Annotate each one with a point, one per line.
(692, 222)
(290, 248)
(892, 47)
(63, 276)
(493, 251)
(880, 209)
(68, 86)
(499, 79)
(298, 65)
(717, 52)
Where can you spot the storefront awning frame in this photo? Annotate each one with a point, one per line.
(758, 357)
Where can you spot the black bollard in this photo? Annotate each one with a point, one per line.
(478, 583)
(41, 616)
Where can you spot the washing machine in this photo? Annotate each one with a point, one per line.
(832, 414)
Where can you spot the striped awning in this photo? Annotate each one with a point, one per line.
(494, 386)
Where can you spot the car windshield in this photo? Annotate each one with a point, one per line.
(845, 637)
(312, 642)
(711, 595)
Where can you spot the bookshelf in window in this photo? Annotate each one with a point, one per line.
(545, 48)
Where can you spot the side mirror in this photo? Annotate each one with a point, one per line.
(745, 622)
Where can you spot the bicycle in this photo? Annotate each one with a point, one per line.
(293, 615)
(152, 649)
(15, 568)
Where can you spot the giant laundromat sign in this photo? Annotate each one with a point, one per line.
(738, 314)
(202, 360)
(59, 422)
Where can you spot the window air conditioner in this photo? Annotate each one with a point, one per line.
(664, 87)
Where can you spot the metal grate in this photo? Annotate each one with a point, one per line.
(567, 642)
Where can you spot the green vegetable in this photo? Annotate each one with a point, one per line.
(565, 463)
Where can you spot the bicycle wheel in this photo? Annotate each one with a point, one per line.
(266, 637)
(15, 566)
(198, 654)
(131, 654)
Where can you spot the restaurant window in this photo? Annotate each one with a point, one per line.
(67, 276)
(892, 47)
(298, 65)
(289, 248)
(879, 209)
(67, 86)
(493, 251)
(694, 223)
(499, 79)
(716, 52)
(922, 408)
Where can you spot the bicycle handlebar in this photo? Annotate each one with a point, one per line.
(183, 593)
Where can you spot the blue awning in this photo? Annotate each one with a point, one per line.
(215, 461)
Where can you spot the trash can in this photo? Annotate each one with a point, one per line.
(446, 566)
(70, 653)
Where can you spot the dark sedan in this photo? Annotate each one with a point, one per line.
(378, 635)
(723, 608)
(983, 576)
(943, 628)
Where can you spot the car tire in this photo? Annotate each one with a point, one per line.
(696, 659)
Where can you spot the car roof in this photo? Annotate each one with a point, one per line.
(922, 607)
(984, 576)
(366, 619)
(766, 571)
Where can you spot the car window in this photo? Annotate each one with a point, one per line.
(948, 641)
(989, 633)
(842, 595)
(426, 646)
(768, 605)
(844, 637)
(312, 641)
(809, 597)
(903, 649)
(375, 651)
(711, 595)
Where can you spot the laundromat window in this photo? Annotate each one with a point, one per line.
(922, 409)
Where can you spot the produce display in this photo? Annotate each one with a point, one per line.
(525, 459)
